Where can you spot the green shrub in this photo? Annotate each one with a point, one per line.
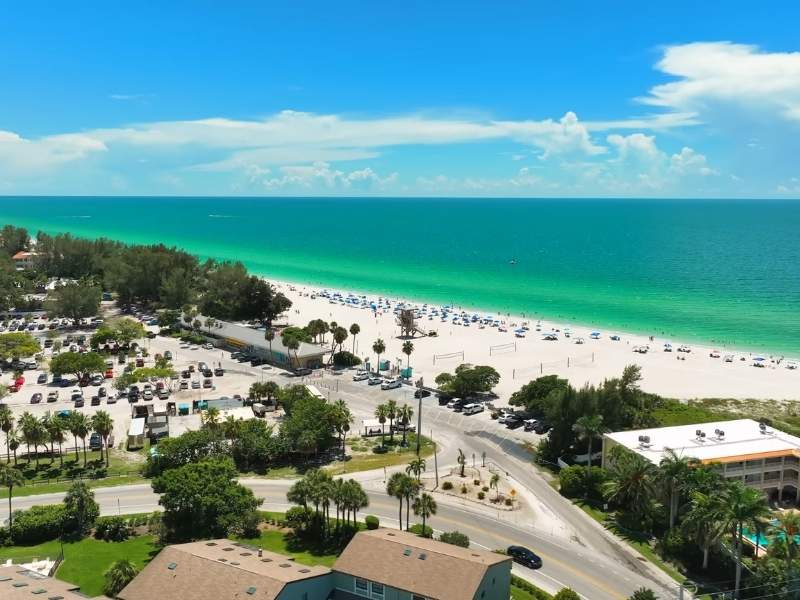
(535, 592)
(37, 524)
(463, 488)
(481, 495)
(643, 594)
(447, 485)
(299, 517)
(674, 545)
(372, 522)
(456, 538)
(417, 529)
(485, 488)
(112, 529)
(578, 481)
(380, 449)
(566, 594)
(346, 359)
(476, 482)
(5, 536)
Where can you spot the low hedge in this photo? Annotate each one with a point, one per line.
(38, 524)
(537, 593)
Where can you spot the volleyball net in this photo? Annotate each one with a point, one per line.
(450, 356)
(502, 348)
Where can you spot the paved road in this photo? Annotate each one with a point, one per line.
(592, 575)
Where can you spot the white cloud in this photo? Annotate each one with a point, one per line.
(710, 73)
(321, 174)
(18, 154)
(131, 97)
(636, 145)
(567, 135)
(689, 162)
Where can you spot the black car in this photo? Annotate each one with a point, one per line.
(78, 402)
(95, 401)
(302, 371)
(514, 422)
(444, 399)
(219, 372)
(525, 557)
(185, 374)
(421, 393)
(95, 441)
(207, 373)
(255, 362)
(42, 378)
(542, 427)
(36, 398)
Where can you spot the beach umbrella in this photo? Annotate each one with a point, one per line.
(759, 359)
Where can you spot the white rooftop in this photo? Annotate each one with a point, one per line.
(742, 440)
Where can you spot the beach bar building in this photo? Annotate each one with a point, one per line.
(236, 336)
(758, 455)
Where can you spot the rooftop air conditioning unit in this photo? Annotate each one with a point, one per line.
(719, 433)
(762, 427)
(644, 441)
(701, 435)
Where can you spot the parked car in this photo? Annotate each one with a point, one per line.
(42, 378)
(52, 396)
(196, 384)
(374, 381)
(390, 384)
(184, 385)
(163, 394)
(514, 422)
(542, 427)
(524, 557)
(102, 392)
(95, 401)
(361, 376)
(95, 441)
(36, 398)
(472, 408)
(219, 372)
(76, 393)
(421, 393)
(167, 355)
(147, 395)
(207, 384)
(529, 424)
(208, 373)
(302, 372)
(208, 346)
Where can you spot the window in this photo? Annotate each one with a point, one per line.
(377, 591)
(415, 597)
(362, 587)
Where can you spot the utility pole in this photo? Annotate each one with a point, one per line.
(435, 461)
(419, 414)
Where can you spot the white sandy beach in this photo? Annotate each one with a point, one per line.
(518, 360)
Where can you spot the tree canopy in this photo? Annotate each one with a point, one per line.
(18, 345)
(74, 300)
(78, 363)
(468, 380)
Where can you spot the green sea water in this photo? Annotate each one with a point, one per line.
(724, 272)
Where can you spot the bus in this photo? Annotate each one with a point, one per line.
(315, 392)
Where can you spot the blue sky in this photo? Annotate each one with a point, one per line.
(546, 99)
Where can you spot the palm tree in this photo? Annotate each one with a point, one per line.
(787, 528)
(6, 425)
(673, 474)
(391, 414)
(404, 416)
(292, 343)
(119, 574)
(705, 521)
(339, 336)
(494, 483)
(354, 331)
(395, 487)
(211, 418)
(416, 467)
(10, 477)
(269, 335)
(54, 425)
(74, 424)
(103, 424)
(408, 348)
(82, 426)
(27, 429)
(271, 390)
(12, 438)
(342, 417)
(381, 413)
(588, 427)
(632, 481)
(411, 489)
(425, 507)
(462, 462)
(378, 348)
(744, 506)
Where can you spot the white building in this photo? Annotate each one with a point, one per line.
(760, 456)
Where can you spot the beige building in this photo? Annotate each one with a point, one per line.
(760, 456)
(222, 569)
(24, 260)
(386, 564)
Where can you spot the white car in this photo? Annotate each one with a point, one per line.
(360, 376)
(390, 384)
(208, 346)
(375, 381)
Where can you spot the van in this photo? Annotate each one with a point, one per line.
(471, 409)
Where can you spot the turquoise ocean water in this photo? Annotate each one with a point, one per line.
(725, 272)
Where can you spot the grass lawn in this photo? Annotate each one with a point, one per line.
(87, 560)
(363, 458)
(52, 477)
(282, 543)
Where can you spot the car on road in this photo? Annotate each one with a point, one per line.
(302, 372)
(391, 384)
(208, 346)
(361, 376)
(529, 424)
(167, 355)
(514, 422)
(421, 393)
(52, 396)
(542, 427)
(525, 557)
(219, 372)
(374, 381)
(36, 398)
(42, 378)
(473, 408)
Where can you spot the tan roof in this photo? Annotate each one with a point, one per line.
(422, 566)
(12, 579)
(214, 570)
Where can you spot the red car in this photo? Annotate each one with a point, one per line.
(109, 373)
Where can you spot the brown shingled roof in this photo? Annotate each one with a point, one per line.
(216, 569)
(17, 583)
(422, 566)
